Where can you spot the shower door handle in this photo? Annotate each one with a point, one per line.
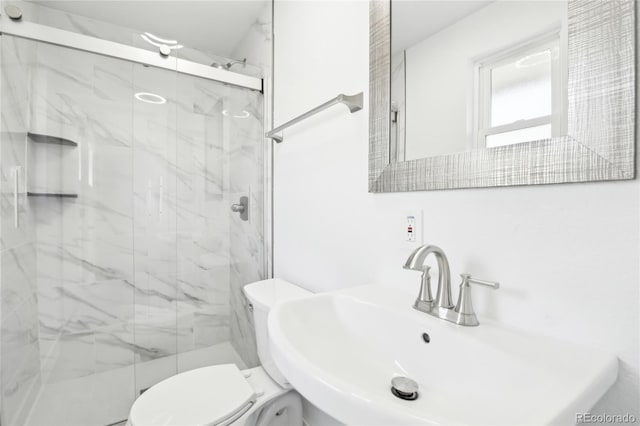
(242, 207)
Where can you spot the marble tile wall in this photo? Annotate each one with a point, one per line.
(155, 215)
(147, 239)
(148, 261)
(247, 161)
(85, 273)
(19, 354)
(203, 210)
(247, 244)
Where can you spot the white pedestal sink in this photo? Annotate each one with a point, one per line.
(340, 350)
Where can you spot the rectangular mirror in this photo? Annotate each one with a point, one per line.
(504, 92)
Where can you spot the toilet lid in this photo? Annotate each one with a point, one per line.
(203, 397)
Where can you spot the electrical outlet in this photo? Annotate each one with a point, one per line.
(412, 227)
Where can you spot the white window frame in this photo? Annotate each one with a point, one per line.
(482, 83)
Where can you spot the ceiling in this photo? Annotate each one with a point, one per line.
(416, 20)
(214, 26)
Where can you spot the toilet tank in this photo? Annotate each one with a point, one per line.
(263, 295)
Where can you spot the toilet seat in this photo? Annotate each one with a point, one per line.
(215, 395)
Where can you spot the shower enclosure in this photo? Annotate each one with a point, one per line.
(122, 262)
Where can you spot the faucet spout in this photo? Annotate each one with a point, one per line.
(416, 262)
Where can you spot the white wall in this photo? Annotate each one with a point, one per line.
(566, 255)
(440, 70)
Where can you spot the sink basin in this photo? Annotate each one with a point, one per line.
(341, 350)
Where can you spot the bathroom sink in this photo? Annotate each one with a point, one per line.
(341, 350)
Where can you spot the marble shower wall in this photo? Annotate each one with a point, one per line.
(182, 219)
(19, 354)
(148, 260)
(203, 210)
(247, 243)
(137, 266)
(85, 244)
(247, 158)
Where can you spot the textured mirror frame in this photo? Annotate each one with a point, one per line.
(601, 117)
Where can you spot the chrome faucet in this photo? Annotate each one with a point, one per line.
(416, 263)
(442, 307)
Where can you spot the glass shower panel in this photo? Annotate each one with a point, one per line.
(75, 202)
(220, 161)
(20, 351)
(121, 262)
(154, 188)
(202, 224)
(244, 118)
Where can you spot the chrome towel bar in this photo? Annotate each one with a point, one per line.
(353, 102)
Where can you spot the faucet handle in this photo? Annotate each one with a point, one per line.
(493, 284)
(424, 301)
(464, 308)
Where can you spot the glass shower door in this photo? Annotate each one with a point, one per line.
(220, 162)
(20, 353)
(155, 213)
(122, 262)
(198, 149)
(67, 336)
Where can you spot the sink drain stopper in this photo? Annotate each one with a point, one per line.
(404, 388)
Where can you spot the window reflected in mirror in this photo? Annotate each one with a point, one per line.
(471, 75)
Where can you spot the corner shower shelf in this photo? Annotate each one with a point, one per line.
(51, 194)
(52, 167)
(53, 140)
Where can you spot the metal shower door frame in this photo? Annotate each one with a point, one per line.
(50, 35)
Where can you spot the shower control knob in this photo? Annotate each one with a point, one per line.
(238, 208)
(242, 207)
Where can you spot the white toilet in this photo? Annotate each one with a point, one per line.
(224, 394)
